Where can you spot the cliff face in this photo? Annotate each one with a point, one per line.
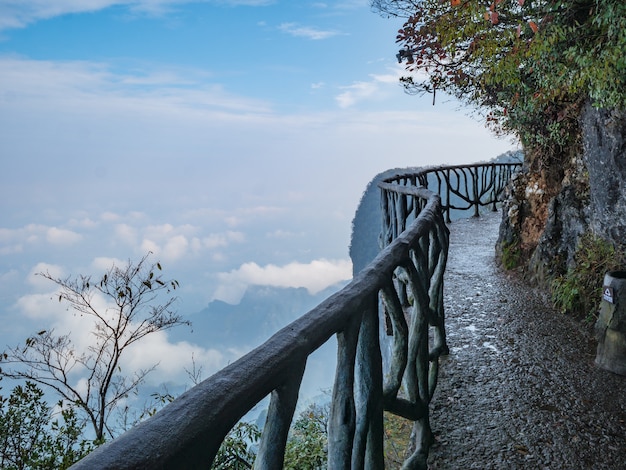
(559, 197)
(605, 158)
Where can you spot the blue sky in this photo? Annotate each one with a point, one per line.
(231, 138)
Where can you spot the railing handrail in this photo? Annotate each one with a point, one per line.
(476, 184)
(188, 432)
(425, 170)
(406, 280)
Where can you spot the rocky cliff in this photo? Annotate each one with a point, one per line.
(604, 134)
(560, 197)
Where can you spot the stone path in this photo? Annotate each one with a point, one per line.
(519, 389)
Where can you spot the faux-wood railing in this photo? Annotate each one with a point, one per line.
(405, 282)
(461, 187)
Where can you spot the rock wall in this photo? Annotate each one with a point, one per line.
(604, 134)
(559, 197)
(544, 215)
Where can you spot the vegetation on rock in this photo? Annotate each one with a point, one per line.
(577, 292)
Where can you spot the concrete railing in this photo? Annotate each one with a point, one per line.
(404, 282)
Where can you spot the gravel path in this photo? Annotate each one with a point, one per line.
(519, 389)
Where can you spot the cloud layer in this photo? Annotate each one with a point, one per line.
(238, 158)
(170, 358)
(314, 276)
(23, 12)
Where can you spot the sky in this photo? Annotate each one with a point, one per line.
(233, 139)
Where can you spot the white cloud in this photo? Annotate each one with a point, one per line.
(110, 217)
(11, 275)
(217, 240)
(377, 87)
(40, 307)
(14, 241)
(356, 92)
(150, 245)
(18, 14)
(93, 87)
(230, 291)
(175, 248)
(306, 31)
(103, 263)
(173, 243)
(126, 234)
(57, 236)
(172, 359)
(314, 276)
(85, 223)
(387, 78)
(41, 283)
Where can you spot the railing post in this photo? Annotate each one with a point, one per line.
(368, 440)
(342, 422)
(494, 194)
(279, 416)
(475, 191)
(448, 205)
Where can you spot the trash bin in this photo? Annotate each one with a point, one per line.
(611, 324)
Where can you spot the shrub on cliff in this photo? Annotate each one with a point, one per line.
(528, 64)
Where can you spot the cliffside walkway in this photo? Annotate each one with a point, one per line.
(519, 389)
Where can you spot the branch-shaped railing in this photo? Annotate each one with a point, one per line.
(188, 432)
(463, 187)
(403, 200)
(405, 281)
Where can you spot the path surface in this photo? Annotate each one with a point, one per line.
(519, 389)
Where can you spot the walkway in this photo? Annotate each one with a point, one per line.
(519, 389)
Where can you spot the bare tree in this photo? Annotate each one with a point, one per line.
(131, 313)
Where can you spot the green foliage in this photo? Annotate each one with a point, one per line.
(33, 437)
(159, 400)
(527, 64)
(123, 309)
(396, 440)
(236, 452)
(510, 255)
(579, 290)
(307, 446)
